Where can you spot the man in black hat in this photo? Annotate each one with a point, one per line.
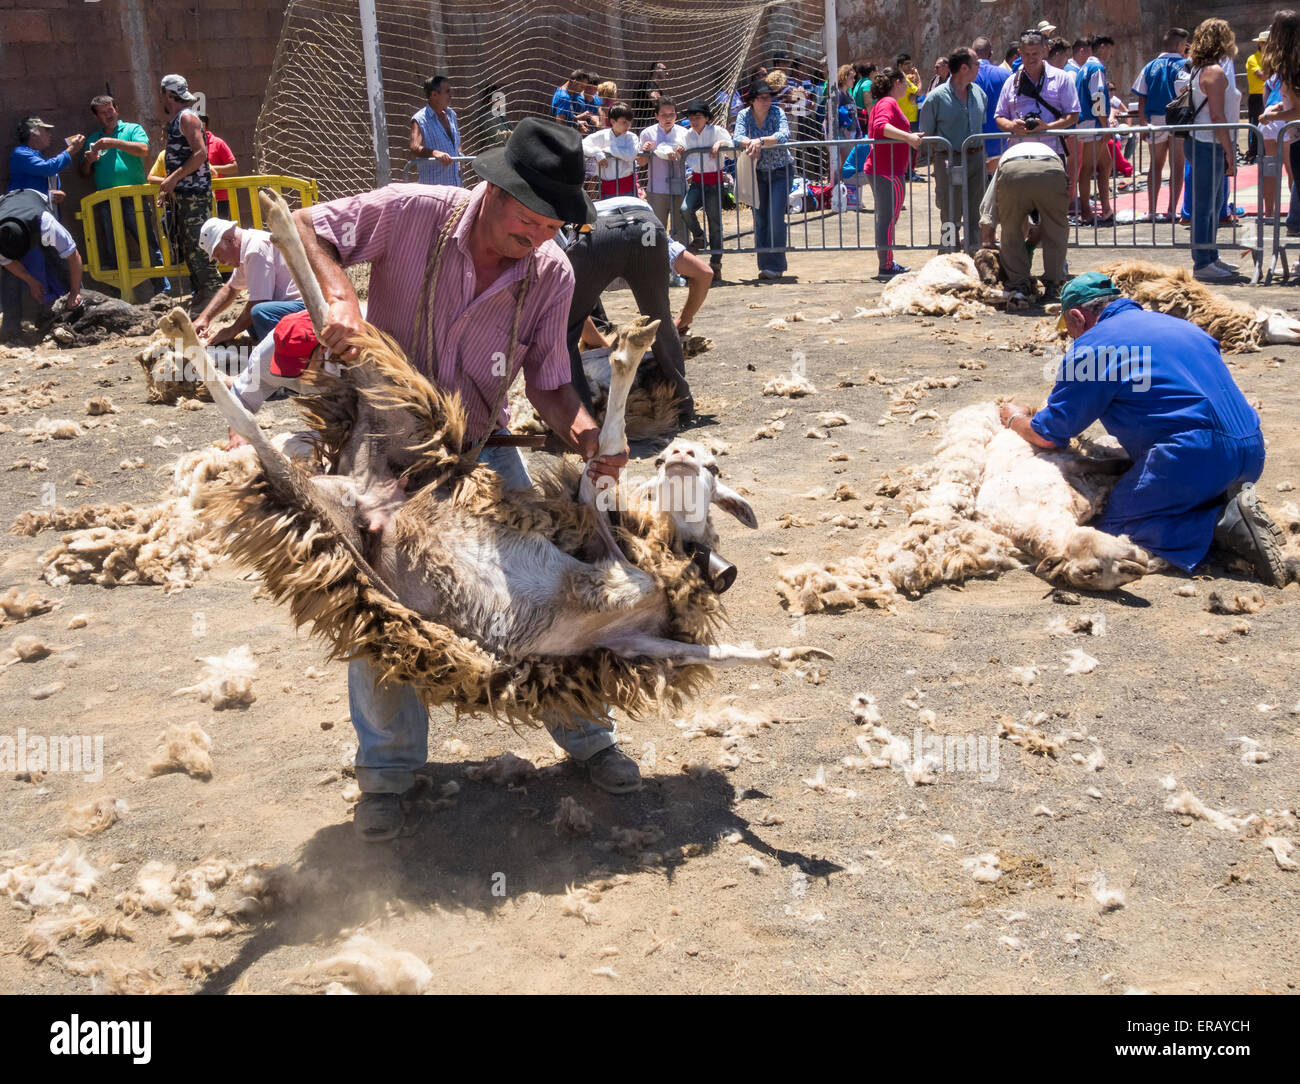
(703, 142)
(473, 288)
(28, 228)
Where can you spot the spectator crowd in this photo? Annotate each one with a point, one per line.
(1006, 137)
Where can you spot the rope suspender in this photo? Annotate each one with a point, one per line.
(424, 318)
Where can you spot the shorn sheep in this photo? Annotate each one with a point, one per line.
(986, 503)
(479, 597)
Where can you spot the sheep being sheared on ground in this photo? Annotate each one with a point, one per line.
(987, 502)
(1238, 327)
(948, 285)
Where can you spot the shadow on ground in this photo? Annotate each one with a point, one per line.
(495, 844)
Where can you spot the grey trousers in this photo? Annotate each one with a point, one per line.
(668, 209)
(632, 245)
(964, 211)
(1033, 184)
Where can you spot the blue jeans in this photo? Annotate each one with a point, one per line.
(266, 314)
(708, 197)
(392, 724)
(108, 247)
(769, 220)
(1207, 181)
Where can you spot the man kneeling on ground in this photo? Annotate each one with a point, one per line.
(259, 268)
(1159, 386)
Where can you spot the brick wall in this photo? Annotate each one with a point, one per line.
(55, 55)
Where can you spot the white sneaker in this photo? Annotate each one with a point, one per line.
(1225, 266)
(1212, 272)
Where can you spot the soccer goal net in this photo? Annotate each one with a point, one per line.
(505, 58)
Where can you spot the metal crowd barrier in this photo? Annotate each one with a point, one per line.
(822, 222)
(1140, 231)
(142, 200)
(1281, 241)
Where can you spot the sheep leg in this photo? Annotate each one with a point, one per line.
(720, 655)
(275, 213)
(623, 362)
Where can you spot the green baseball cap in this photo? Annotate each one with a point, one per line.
(1081, 289)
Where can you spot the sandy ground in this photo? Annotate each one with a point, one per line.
(748, 878)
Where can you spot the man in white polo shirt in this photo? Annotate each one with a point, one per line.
(259, 269)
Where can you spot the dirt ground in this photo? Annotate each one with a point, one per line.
(750, 878)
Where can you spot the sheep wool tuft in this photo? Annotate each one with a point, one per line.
(183, 747)
(226, 681)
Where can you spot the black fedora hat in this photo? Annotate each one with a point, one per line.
(700, 105)
(15, 241)
(758, 86)
(541, 165)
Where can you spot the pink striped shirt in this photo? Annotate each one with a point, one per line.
(392, 228)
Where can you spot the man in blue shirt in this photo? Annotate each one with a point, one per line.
(1092, 84)
(569, 107)
(1156, 87)
(28, 166)
(1159, 386)
(989, 79)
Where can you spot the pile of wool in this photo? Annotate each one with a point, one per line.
(365, 966)
(166, 544)
(506, 770)
(580, 901)
(792, 385)
(15, 606)
(572, 818)
(722, 718)
(51, 429)
(46, 877)
(183, 747)
(43, 937)
(226, 680)
(91, 818)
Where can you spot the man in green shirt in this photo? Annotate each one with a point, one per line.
(116, 153)
(955, 110)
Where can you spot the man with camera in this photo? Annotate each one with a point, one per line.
(1038, 99)
(1031, 178)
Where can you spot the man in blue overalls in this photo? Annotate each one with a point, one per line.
(1158, 385)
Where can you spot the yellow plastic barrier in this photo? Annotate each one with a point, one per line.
(129, 273)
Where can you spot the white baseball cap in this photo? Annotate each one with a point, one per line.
(214, 229)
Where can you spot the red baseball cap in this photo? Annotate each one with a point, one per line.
(295, 341)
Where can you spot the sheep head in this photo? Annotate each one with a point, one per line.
(1096, 561)
(686, 484)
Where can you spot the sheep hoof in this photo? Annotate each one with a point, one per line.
(781, 657)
